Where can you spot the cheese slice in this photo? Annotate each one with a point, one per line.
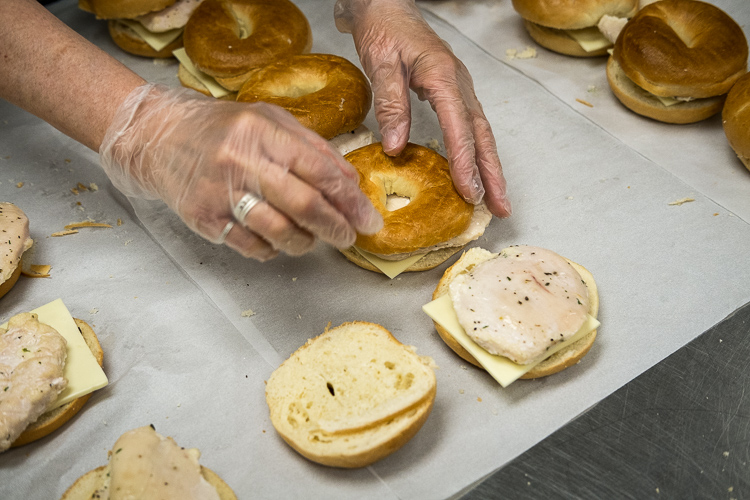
(208, 81)
(390, 268)
(157, 41)
(83, 373)
(667, 101)
(501, 368)
(590, 39)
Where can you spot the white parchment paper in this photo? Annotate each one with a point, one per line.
(168, 305)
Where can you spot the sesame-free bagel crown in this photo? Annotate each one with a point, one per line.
(225, 39)
(572, 14)
(326, 93)
(123, 9)
(435, 213)
(682, 48)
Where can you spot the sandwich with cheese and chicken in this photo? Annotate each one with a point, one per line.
(525, 312)
(46, 376)
(16, 240)
(146, 465)
(676, 60)
(148, 28)
(572, 27)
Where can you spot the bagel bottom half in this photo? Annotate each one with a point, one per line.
(558, 41)
(6, 285)
(647, 104)
(85, 486)
(558, 361)
(54, 419)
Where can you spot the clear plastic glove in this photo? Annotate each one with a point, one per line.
(201, 155)
(399, 50)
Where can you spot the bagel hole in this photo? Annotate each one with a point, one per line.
(394, 202)
(243, 23)
(398, 193)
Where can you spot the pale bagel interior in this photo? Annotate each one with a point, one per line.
(351, 396)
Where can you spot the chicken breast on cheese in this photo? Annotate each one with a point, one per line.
(521, 303)
(32, 358)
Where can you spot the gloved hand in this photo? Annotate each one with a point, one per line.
(399, 50)
(201, 155)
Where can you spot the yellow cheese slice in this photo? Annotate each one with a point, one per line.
(157, 41)
(590, 39)
(501, 368)
(390, 268)
(667, 101)
(83, 373)
(208, 81)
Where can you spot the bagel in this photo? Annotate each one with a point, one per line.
(351, 396)
(676, 60)
(436, 222)
(228, 39)
(468, 264)
(326, 93)
(736, 119)
(564, 26)
(14, 226)
(142, 459)
(147, 28)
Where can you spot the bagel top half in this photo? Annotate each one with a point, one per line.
(682, 48)
(736, 119)
(123, 9)
(572, 14)
(226, 39)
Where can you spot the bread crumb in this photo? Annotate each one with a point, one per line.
(460, 391)
(527, 53)
(119, 222)
(93, 311)
(294, 279)
(299, 316)
(681, 201)
(726, 453)
(247, 313)
(93, 186)
(88, 223)
(74, 191)
(434, 145)
(730, 489)
(657, 490)
(19, 185)
(81, 187)
(64, 233)
(479, 400)
(585, 103)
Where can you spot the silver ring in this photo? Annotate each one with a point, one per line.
(225, 232)
(244, 206)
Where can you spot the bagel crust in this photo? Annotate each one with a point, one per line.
(123, 9)
(435, 213)
(736, 119)
(682, 48)
(227, 39)
(572, 14)
(326, 93)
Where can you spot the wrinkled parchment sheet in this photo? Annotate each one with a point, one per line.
(191, 330)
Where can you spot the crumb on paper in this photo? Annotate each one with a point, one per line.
(527, 53)
(460, 391)
(128, 242)
(74, 191)
(81, 187)
(93, 311)
(657, 490)
(585, 103)
(19, 184)
(715, 214)
(119, 222)
(592, 89)
(726, 453)
(479, 400)
(88, 223)
(434, 145)
(247, 313)
(64, 233)
(37, 271)
(569, 198)
(299, 316)
(681, 201)
(93, 186)
(294, 279)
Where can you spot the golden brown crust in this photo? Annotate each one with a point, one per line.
(436, 212)
(85, 486)
(736, 119)
(573, 14)
(129, 41)
(562, 359)
(429, 261)
(644, 103)
(226, 39)
(123, 9)
(558, 41)
(6, 285)
(54, 419)
(326, 93)
(682, 48)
